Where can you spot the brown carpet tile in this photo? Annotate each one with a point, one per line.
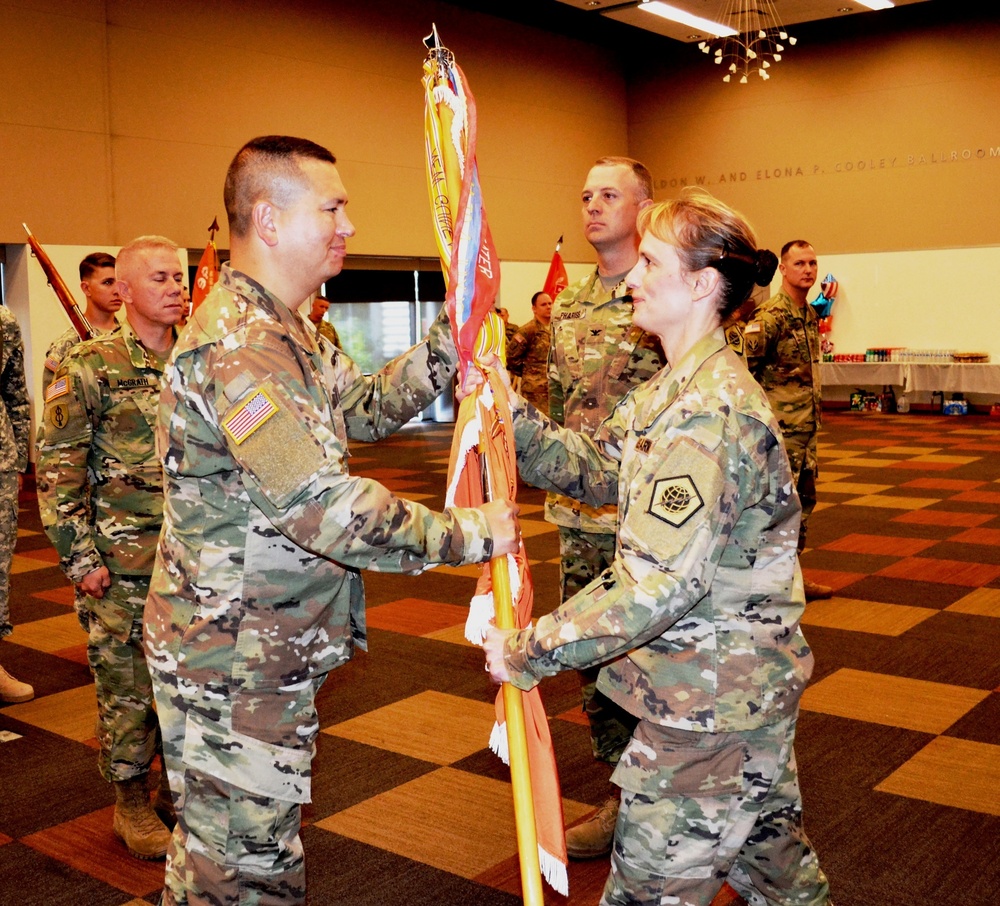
(899, 735)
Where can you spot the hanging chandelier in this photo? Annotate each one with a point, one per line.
(759, 42)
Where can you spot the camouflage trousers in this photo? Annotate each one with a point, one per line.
(126, 722)
(8, 538)
(700, 809)
(584, 556)
(239, 765)
(801, 449)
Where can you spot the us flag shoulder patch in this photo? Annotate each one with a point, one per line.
(57, 389)
(52, 363)
(249, 417)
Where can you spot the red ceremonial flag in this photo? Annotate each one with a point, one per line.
(557, 280)
(208, 269)
(484, 440)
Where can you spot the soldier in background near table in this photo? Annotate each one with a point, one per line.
(100, 494)
(15, 430)
(528, 353)
(783, 354)
(100, 289)
(597, 356)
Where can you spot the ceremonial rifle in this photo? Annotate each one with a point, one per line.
(77, 318)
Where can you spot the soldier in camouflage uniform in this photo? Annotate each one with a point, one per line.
(597, 356)
(697, 619)
(257, 592)
(317, 315)
(15, 430)
(100, 492)
(100, 289)
(783, 353)
(528, 353)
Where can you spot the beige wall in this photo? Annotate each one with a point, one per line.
(118, 118)
(887, 141)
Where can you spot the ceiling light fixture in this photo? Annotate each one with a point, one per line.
(666, 11)
(877, 4)
(760, 40)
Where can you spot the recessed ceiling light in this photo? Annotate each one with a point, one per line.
(846, 9)
(694, 37)
(666, 11)
(593, 2)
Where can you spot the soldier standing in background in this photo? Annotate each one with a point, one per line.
(100, 289)
(318, 308)
(257, 592)
(15, 431)
(783, 354)
(597, 356)
(528, 353)
(100, 493)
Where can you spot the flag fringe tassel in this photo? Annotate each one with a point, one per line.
(498, 742)
(553, 871)
(481, 614)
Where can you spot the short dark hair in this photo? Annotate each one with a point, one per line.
(790, 245)
(94, 262)
(266, 167)
(643, 178)
(534, 298)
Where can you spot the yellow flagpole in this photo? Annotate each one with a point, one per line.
(517, 748)
(491, 334)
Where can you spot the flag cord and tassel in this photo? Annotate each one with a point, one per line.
(529, 852)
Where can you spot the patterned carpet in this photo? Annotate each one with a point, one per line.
(898, 746)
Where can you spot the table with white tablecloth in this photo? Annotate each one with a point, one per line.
(915, 377)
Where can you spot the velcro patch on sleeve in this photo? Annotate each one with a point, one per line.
(52, 363)
(249, 416)
(752, 327)
(57, 389)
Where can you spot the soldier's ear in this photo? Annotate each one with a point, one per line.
(124, 291)
(264, 225)
(704, 283)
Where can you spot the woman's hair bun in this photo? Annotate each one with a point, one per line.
(767, 264)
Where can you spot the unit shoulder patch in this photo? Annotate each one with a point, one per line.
(675, 500)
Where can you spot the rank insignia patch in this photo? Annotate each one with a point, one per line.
(249, 417)
(675, 500)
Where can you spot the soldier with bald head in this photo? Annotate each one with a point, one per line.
(100, 492)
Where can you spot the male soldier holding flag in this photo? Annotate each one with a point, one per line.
(257, 592)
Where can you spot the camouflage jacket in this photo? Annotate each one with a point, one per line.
(100, 486)
(257, 580)
(783, 353)
(528, 358)
(15, 413)
(326, 329)
(597, 356)
(57, 352)
(698, 617)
